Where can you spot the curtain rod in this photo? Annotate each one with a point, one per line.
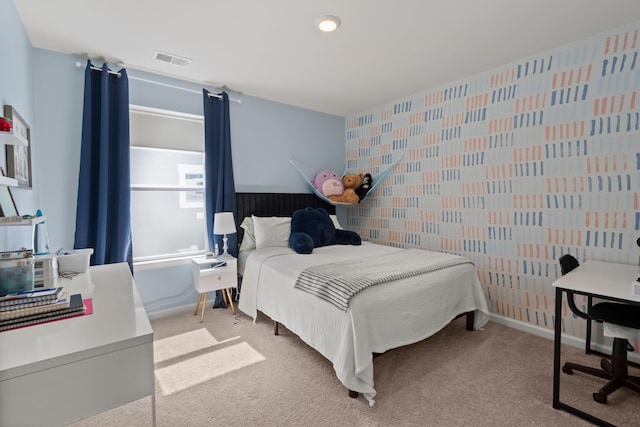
(115, 73)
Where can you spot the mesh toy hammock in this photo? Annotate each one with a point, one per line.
(377, 179)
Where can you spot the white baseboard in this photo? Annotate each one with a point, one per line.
(158, 314)
(566, 339)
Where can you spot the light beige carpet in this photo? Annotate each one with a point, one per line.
(228, 371)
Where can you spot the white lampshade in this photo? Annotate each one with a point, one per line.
(223, 223)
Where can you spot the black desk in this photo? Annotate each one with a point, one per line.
(595, 279)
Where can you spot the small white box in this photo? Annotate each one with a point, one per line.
(76, 261)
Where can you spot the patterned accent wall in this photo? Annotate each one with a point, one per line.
(512, 169)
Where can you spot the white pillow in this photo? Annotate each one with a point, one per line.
(271, 231)
(249, 237)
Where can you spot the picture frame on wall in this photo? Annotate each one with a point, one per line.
(19, 156)
(7, 204)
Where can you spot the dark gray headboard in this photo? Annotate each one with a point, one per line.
(275, 204)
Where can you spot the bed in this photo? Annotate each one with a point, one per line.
(378, 319)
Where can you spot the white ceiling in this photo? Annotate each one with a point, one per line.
(384, 50)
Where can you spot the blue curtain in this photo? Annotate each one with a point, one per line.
(220, 195)
(103, 219)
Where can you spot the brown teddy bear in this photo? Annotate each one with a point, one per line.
(351, 182)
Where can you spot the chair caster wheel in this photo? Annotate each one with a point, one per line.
(606, 365)
(567, 370)
(600, 398)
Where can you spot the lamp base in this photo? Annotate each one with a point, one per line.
(224, 245)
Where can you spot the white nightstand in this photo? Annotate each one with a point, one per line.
(208, 277)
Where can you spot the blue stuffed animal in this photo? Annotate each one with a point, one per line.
(313, 228)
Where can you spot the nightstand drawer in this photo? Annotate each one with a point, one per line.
(207, 278)
(223, 276)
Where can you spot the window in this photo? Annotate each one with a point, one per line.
(167, 184)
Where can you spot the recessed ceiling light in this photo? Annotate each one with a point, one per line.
(328, 23)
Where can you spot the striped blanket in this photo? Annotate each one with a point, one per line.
(338, 282)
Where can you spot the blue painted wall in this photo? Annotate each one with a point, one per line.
(264, 135)
(16, 90)
(47, 89)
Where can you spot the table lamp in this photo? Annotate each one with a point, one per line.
(224, 223)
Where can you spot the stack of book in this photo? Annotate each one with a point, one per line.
(38, 306)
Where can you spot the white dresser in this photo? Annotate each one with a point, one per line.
(56, 373)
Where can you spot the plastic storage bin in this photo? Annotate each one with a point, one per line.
(76, 261)
(45, 271)
(16, 271)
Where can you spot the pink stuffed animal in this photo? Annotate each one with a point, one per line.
(329, 183)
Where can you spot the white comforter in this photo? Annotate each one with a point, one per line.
(383, 317)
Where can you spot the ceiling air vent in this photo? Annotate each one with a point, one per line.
(170, 58)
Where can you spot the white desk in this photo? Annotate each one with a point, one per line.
(605, 280)
(60, 372)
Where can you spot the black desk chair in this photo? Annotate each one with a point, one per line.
(616, 370)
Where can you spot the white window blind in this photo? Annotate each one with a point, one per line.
(167, 183)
